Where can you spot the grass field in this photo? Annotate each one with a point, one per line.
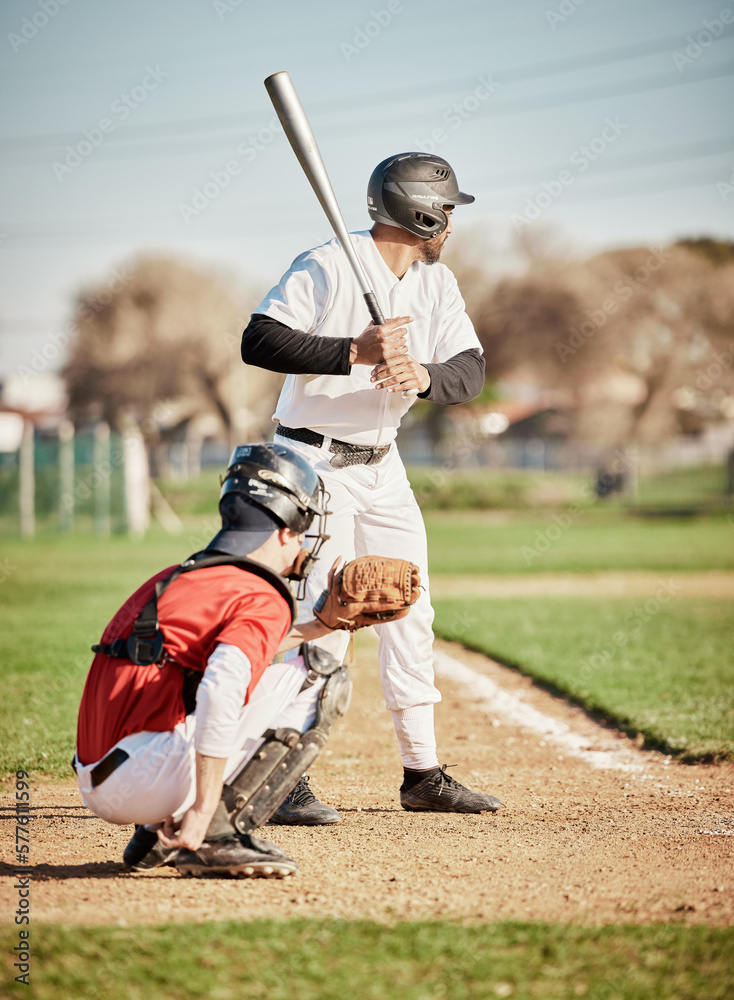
(662, 669)
(669, 678)
(592, 541)
(339, 960)
(59, 592)
(57, 598)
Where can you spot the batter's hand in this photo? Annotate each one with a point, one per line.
(380, 343)
(401, 374)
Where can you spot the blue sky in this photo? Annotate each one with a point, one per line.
(628, 103)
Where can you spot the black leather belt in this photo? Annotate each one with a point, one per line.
(107, 765)
(344, 453)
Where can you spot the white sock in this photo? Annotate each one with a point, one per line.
(416, 738)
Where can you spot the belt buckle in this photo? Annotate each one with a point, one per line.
(339, 459)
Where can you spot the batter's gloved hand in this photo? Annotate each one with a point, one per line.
(370, 590)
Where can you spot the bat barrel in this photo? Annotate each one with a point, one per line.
(298, 132)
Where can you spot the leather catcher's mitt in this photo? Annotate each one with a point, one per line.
(368, 591)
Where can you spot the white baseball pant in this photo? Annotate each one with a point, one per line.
(159, 777)
(374, 512)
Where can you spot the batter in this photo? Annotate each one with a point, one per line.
(347, 389)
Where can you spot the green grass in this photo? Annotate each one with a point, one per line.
(691, 486)
(661, 665)
(340, 960)
(57, 597)
(497, 489)
(593, 540)
(57, 594)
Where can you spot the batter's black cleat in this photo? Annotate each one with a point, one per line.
(302, 808)
(145, 851)
(441, 793)
(238, 856)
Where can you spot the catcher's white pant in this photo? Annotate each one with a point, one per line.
(159, 777)
(374, 512)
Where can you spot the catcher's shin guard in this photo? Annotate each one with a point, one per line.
(263, 783)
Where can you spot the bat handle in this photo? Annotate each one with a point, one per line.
(375, 312)
(378, 319)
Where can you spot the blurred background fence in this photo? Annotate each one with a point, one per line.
(96, 481)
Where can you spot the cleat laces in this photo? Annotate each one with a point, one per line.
(302, 794)
(445, 780)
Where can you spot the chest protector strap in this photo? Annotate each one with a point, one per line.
(144, 645)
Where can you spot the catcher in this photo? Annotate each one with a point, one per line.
(186, 727)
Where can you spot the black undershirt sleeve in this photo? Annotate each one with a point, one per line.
(457, 380)
(267, 343)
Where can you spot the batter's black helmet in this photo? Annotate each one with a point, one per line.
(410, 190)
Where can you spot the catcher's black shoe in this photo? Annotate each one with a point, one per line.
(145, 851)
(302, 808)
(439, 792)
(240, 856)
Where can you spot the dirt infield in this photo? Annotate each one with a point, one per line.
(637, 838)
(717, 584)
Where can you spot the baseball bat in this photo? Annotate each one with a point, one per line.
(298, 131)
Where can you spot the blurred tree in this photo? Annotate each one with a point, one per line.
(159, 346)
(717, 251)
(641, 340)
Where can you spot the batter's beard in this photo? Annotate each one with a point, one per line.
(432, 250)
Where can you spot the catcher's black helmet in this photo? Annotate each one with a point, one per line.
(268, 486)
(273, 477)
(410, 190)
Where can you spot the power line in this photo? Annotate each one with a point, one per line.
(190, 235)
(195, 55)
(539, 102)
(74, 234)
(619, 161)
(163, 131)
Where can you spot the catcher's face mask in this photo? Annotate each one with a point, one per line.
(306, 558)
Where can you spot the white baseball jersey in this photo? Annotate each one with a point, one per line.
(319, 295)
